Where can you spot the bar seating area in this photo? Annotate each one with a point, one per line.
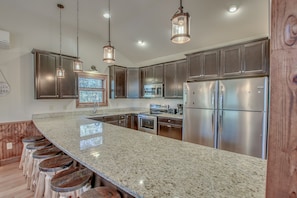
(51, 173)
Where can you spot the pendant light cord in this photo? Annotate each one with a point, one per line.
(181, 6)
(60, 6)
(109, 22)
(77, 47)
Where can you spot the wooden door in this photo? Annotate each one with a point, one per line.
(169, 79)
(194, 66)
(120, 82)
(158, 74)
(231, 60)
(211, 64)
(68, 84)
(181, 77)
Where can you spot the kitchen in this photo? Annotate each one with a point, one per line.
(19, 57)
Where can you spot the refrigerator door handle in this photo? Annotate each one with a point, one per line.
(221, 121)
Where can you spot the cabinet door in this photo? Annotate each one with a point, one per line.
(169, 130)
(231, 60)
(132, 83)
(255, 56)
(170, 80)
(46, 84)
(68, 84)
(194, 66)
(158, 73)
(181, 77)
(142, 81)
(149, 75)
(120, 82)
(211, 63)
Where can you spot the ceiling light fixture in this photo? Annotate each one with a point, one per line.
(180, 26)
(232, 8)
(141, 43)
(60, 72)
(106, 15)
(108, 50)
(77, 64)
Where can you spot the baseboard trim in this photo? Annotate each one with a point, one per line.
(10, 160)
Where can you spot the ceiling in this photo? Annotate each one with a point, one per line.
(149, 20)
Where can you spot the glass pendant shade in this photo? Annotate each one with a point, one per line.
(77, 66)
(108, 54)
(60, 72)
(180, 28)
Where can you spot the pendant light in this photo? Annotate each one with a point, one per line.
(77, 64)
(60, 72)
(108, 50)
(180, 26)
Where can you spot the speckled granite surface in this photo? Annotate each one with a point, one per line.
(147, 165)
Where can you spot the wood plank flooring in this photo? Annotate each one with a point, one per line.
(13, 183)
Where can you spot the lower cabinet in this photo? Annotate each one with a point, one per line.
(170, 127)
(132, 121)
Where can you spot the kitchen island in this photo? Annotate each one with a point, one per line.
(147, 165)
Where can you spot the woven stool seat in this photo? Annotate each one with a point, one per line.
(71, 180)
(101, 192)
(38, 145)
(46, 152)
(33, 138)
(56, 163)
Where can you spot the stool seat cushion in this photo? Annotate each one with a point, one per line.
(56, 163)
(101, 192)
(32, 138)
(38, 145)
(72, 181)
(46, 152)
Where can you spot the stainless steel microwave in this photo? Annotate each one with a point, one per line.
(153, 91)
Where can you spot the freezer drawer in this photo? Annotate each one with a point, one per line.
(243, 132)
(199, 126)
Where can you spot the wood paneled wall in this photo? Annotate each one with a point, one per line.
(282, 153)
(14, 132)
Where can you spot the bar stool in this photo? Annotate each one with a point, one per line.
(26, 141)
(39, 156)
(49, 168)
(72, 182)
(31, 148)
(101, 192)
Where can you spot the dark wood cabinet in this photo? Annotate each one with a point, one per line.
(133, 83)
(47, 85)
(248, 59)
(132, 121)
(119, 120)
(175, 74)
(117, 81)
(203, 65)
(170, 127)
(151, 75)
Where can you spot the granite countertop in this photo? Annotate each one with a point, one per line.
(147, 165)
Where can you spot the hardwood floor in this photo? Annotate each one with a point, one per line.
(13, 183)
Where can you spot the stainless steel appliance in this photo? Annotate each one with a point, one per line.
(147, 121)
(180, 109)
(227, 114)
(153, 91)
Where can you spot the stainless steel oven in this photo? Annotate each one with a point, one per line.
(147, 123)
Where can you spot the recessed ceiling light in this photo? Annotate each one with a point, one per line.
(141, 43)
(106, 15)
(232, 9)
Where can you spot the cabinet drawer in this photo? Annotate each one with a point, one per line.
(122, 123)
(110, 118)
(122, 117)
(170, 120)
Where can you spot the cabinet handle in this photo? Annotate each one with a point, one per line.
(169, 120)
(169, 126)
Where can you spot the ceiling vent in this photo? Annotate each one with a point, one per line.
(4, 39)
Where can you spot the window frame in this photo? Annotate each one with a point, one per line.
(104, 88)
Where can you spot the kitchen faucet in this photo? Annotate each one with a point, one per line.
(96, 105)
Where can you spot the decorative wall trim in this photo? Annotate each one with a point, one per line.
(14, 132)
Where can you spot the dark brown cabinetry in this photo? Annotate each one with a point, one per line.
(119, 120)
(47, 86)
(133, 83)
(175, 74)
(203, 65)
(245, 59)
(170, 127)
(151, 75)
(117, 81)
(132, 121)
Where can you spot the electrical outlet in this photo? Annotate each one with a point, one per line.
(9, 145)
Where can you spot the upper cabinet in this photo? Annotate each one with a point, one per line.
(117, 81)
(175, 74)
(47, 85)
(132, 82)
(245, 59)
(203, 65)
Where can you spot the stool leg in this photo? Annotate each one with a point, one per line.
(29, 170)
(48, 191)
(22, 156)
(25, 160)
(40, 185)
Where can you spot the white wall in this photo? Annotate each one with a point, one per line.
(16, 63)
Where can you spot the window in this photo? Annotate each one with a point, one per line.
(92, 88)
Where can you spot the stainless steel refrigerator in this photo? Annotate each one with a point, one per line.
(227, 114)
